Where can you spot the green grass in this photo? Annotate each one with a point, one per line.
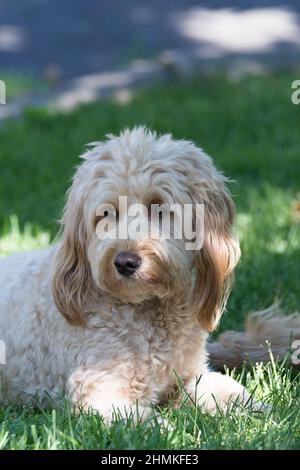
(251, 128)
(188, 428)
(18, 86)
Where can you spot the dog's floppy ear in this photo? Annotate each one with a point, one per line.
(72, 279)
(216, 260)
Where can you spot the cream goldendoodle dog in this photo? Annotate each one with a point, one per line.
(112, 322)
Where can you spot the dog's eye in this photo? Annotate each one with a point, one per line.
(156, 203)
(109, 213)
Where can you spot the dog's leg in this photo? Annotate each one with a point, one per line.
(213, 391)
(107, 394)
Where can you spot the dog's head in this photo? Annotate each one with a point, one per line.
(95, 257)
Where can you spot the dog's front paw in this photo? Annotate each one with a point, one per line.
(215, 391)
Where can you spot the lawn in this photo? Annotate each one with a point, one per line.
(19, 86)
(251, 128)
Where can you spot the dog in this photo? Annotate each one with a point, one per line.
(111, 323)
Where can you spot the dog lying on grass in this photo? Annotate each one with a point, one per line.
(111, 321)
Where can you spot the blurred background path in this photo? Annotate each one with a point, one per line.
(60, 41)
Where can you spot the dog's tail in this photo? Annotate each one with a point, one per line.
(267, 331)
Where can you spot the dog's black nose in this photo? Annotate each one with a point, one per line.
(127, 263)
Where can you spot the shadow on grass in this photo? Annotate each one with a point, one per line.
(250, 128)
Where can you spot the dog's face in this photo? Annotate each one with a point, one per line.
(155, 173)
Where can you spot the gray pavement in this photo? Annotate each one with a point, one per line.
(78, 37)
(88, 47)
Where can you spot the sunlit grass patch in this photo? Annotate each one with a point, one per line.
(15, 240)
